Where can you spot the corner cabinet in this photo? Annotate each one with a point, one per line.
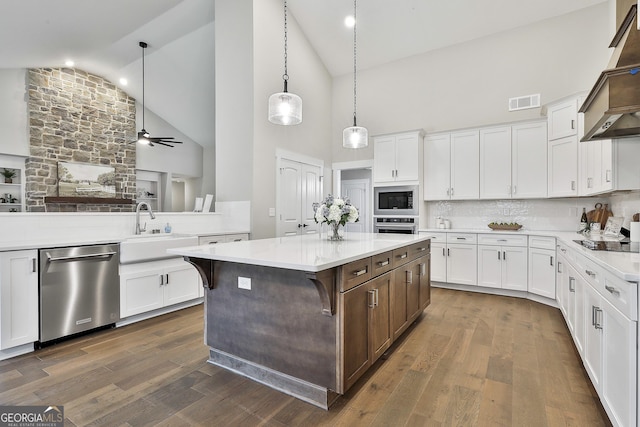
(563, 134)
(502, 261)
(18, 298)
(396, 158)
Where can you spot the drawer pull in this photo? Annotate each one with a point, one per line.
(572, 284)
(383, 263)
(461, 238)
(403, 256)
(502, 240)
(612, 290)
(361, 272)
(590, 273)
(422, 249)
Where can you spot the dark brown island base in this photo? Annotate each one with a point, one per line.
(308, 316)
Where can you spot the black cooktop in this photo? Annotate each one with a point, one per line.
(622, 246)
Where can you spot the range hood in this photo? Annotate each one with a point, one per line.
(612, 108)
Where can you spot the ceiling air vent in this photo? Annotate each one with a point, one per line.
(524, 102)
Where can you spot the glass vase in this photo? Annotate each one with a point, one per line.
(335, 232)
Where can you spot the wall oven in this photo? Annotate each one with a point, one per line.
(396, 200)
(395, 225)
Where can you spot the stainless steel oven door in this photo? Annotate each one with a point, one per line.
(395, 225)
(396, 200)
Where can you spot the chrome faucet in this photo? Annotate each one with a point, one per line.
(139, 229)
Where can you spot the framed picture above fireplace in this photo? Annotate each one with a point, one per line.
(86, 180)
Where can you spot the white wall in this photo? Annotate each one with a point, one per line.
(13, 112)
(469, 84)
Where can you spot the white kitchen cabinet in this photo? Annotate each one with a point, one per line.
(542, 272)
(562, 118)
(454, 258)
(502, 261)
(563, 167)
(212, 239)
(18, 298)
(513, 161)
(607, 165)
(396, 158)
(452, 166)
(152, 285)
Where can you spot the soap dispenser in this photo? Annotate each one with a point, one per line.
(167, 228)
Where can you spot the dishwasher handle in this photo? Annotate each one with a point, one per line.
(79, 257)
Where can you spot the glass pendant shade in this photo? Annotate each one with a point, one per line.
(355, 137)
(285, 108)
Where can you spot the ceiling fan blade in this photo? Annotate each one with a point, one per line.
(161, 137)
(162, 143)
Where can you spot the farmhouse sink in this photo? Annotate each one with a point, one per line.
(150, 247)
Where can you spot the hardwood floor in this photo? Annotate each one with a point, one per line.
(472, 359)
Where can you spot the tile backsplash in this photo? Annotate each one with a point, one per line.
(539, 214)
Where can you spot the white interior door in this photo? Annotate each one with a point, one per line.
(358, 191)
(300, 185)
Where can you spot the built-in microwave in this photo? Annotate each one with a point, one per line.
(397, 200)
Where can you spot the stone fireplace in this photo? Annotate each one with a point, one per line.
(75, 116)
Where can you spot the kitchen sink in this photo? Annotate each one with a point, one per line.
(151, 247)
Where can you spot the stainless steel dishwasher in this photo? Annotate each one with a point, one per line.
(79, 289)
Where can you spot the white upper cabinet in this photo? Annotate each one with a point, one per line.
(529, 160)
(607, 165)
(452, 166)
(495, 163)
(396, 158)
(563, 119)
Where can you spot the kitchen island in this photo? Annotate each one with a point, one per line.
(309, 316)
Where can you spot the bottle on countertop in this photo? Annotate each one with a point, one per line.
(584, 222)
(167, 228)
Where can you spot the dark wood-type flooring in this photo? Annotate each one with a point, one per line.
(472, 359)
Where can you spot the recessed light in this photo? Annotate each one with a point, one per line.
(69, 63)
(349, 21)
(123, 81)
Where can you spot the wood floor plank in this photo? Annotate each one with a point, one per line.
(471, 360)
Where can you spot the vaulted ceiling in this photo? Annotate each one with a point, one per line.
(102, 38)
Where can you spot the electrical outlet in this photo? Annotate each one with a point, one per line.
(244, 283)
(272, 211)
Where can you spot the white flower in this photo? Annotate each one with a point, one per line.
(353, 214)
(335, 213)
(338, 201)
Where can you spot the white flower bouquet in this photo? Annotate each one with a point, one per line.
(335, 211)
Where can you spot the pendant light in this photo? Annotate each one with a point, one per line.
(285, 108)
(355, 136)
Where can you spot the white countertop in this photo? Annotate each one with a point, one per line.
(622, 264)
(311, 253)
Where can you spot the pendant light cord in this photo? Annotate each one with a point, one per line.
(355, 23)
(143, 45)
(285, 76)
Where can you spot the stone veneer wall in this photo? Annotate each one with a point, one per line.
(75, 116)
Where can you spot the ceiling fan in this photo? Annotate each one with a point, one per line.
(143, 136)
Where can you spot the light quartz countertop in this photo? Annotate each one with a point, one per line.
(310, 253)
(57, 242)
(622, 264)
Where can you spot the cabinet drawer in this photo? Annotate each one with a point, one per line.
(381, 263)
(354, 273)
(435, 237)
(236, 237)
(462, 238)
(565, 250)
(419, 249)
(211, 240)
(623, 295)
(542, 242)
(591, 271)
(503, 239)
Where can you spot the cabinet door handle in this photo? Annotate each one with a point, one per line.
(573, 124)
(573, 185)
(498, 255)
(559, 267)
(409, 277)
(448, 191)
(443, 254)
(551, 261)
(372, 298)
(572, 284)
(452, 191)
(598, 323)
(504, 256)
(166, 282)
(34, 266)
(612, 290)
(515, 189)
(384, 263)
(376, 298)
(593, 315)
(607, 175)
(161, 279)
(361, 272)
(423, 269)
(448, 252)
